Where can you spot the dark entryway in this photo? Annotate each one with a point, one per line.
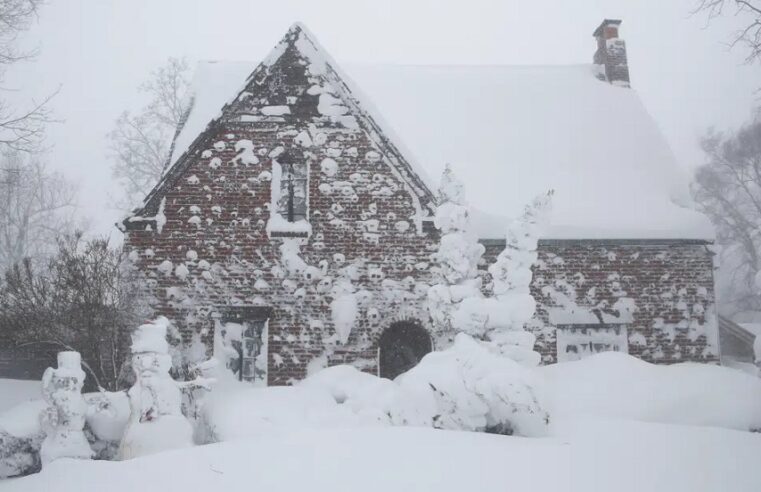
(401, 347)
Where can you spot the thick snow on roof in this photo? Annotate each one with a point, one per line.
(510, 133)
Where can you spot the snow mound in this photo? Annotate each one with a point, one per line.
(620, 456)
(477, 390)
(617, 385)
(373, 399)
(236, 411)
(15, 391)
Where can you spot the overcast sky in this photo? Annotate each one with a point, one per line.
(98, 52)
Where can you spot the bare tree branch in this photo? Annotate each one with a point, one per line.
(750, 35)
(728, 190)
(36, 206)
(141, 143)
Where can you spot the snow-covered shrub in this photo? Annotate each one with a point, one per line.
(21, 432)
(511, 278)
(476, 389)
(156, 421)
(372, 399)
(236, 410)
(20, 440)
(63, 420)
(456, 260)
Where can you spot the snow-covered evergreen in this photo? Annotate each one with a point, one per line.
(475, 389)
(456, 259)
(511, 278)
(63, 419)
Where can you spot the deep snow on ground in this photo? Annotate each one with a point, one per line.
(587, 456)
(15, 391)
(617, 424)
(616, 385)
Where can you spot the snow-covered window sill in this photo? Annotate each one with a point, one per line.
(577, 341)
(277, 226)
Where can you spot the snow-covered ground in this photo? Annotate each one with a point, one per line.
(617, 423)
(587, 456)
(15, 391)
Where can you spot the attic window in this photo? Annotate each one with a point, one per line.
(289, 206)
(292, 205)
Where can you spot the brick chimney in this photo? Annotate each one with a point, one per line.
(610, 56)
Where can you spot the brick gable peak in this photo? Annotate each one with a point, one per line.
(336, 98)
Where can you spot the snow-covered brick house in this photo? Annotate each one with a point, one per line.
(293, 228)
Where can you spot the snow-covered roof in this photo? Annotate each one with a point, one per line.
(510, 133)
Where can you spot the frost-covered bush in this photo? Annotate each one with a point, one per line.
(63, 419)
(156, 421)
(456, 260)
(372, 399)
(19, 455)
(476, 389)
(21, 432)
(512, 305)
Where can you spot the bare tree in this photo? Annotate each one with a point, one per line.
(36, 206)
(86, 298)
(20, 128)
(728, 190)
(750, 35)
(141, 142)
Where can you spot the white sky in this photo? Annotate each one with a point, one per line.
(99, 51)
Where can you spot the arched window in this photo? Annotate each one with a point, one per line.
(401, 347)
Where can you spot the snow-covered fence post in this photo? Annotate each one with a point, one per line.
(63, 420)
(456, 259)
(156, 421)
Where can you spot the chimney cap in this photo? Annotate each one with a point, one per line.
(604, 24)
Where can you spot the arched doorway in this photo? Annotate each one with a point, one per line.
(401, 347)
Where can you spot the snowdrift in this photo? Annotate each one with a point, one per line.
(460, 389)
(621, 456)
(616, 385)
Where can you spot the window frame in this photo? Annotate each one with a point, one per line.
(616, 334)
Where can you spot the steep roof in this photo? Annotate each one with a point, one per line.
(510, 133)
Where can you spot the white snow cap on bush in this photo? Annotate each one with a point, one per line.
(63, 419)
(476, 389)
(456, 260)
(372, 399)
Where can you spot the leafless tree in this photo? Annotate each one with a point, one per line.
(86, 298)
(36, 206)
(20, 128)
(728, 190)
(750, 35)
(141, 142)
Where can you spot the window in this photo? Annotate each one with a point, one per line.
(241, 337)
(575, 342)
(292, 204)
(253, 366)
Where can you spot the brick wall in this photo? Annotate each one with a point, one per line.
(661, 291)
(367, 215)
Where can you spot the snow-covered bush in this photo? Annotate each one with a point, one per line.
(476, 389)
(511, 279)
(21, 432)
(20, 439)
(456, 260)
(156, 421)
(372, 399)
(63, 420)
(500, 319)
